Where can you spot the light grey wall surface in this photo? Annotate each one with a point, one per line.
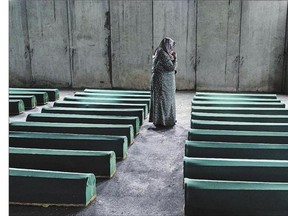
(131, 29)
(224, 45)
(19, 55)
(49, 43)
(285, 63)
(89, 39)
(233, 44)
(262, 45)
(217, 45)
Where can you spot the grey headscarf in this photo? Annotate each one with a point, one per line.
(167, 44)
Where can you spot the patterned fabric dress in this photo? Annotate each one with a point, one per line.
(163, 87)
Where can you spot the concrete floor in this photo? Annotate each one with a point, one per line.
(148, 182)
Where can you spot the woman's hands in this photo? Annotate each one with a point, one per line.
(174, 54)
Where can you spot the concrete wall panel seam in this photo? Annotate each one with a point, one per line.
(28, 45)
(285, 62)
(239, 56)
(196, 55)
(153, 48)
(227, 37)
(110, 46)
(70, 41)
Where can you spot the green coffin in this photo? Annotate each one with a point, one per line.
(30, 102)
(109, 100)
(110, 91)
(41, 97)
(100, 163)
(236, 169)
(75, 128)
(87, 119)
(118, 144)
(108, 95)
(227, 198)
(16, 107)
(45, 188)
(240, 117)
(240, 95)
(53, 94)
(236, 99)
(210, 149)
(238, 104)
(239, 126)
(96, 111)
(102, 105)
(241, 110)
(238, 136)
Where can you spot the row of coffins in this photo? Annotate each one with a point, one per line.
(56, 156)
(21, 99)
(236, 155)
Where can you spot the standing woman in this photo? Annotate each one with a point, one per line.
(163, 87)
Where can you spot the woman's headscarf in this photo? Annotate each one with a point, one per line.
(167, 44)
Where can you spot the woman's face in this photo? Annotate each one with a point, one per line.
(173, 45)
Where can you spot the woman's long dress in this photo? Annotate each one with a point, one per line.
(163, 87)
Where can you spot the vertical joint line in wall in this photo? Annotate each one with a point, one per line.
(152, 51)
(196, 53)
(239, 55)
(187, 32)
(54, 9)
(110, 45)
(284, 86)
(70, 51)
(28, 41)
(152, 25)
(227, 39)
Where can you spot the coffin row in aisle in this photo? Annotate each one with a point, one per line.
(87, 119)
(22, 139)
(30, 101)
(101, 163)
(236, 155)
(212, 149)
(16, 107)
(241, 198)
(84, 138)
(53, 94)
(41, 97)
(46, 188)
(272, 118)
(31, 98)
(97, 111)
(75, 128)
(102, 105)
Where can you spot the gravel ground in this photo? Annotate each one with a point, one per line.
(148, 182)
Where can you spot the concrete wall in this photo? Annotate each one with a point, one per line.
(224, 45)
(49, 42)
(89, 40)
(131, 29)
(285, 72)
(262, 45)
(218, 45)
(20, 73)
